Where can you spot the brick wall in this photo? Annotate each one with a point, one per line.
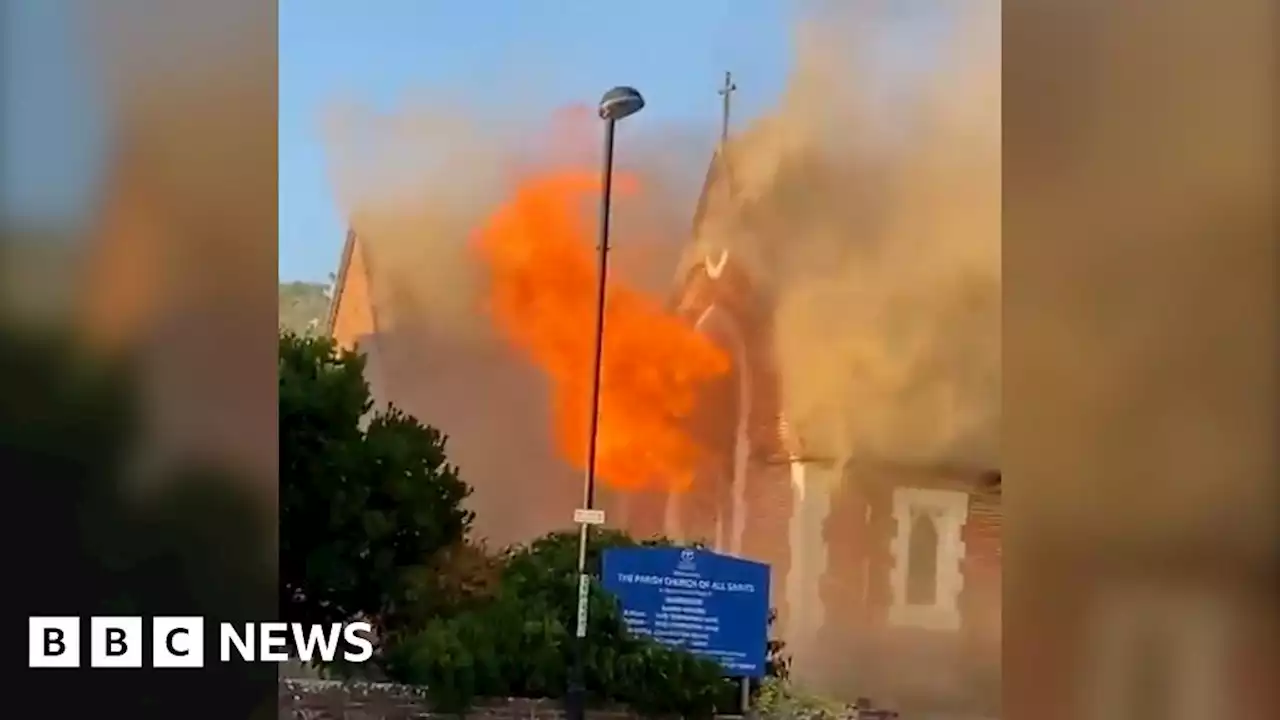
(903, 666)
(983, 570)
(330, 700)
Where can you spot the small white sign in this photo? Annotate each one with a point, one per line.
(585, 516)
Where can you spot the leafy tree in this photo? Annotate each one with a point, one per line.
(366, 501)
(459, 578)
(303, 307)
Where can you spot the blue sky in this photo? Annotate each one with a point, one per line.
(376, 53)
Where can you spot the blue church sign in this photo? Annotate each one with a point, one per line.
(712, 605)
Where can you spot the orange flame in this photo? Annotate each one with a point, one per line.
(539, 247)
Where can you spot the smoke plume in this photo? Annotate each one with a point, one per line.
(868, 205)
(419, 186)
(418, 182)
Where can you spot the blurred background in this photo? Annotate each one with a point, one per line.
(137, 217)
(1140, 345)
(141, 292)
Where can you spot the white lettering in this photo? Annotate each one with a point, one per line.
(307, 641)
(243, 643)
(357, 635)
(272, 642)
(680, 582)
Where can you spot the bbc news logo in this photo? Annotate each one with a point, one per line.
(179, 642)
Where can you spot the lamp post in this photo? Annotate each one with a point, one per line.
(618, 103)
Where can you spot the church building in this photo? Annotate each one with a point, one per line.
(886, 578)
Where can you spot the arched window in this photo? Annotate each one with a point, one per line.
(927, 577)
(922, 561)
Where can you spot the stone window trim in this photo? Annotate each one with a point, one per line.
(949, 510)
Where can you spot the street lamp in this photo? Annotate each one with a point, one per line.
(616, 104)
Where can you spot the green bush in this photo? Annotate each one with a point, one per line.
(777, 698)
(366, 498)
(518, 643)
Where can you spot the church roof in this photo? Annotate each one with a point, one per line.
(340, 280)
(352, 312)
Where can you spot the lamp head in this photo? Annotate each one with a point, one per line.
(620, 102)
